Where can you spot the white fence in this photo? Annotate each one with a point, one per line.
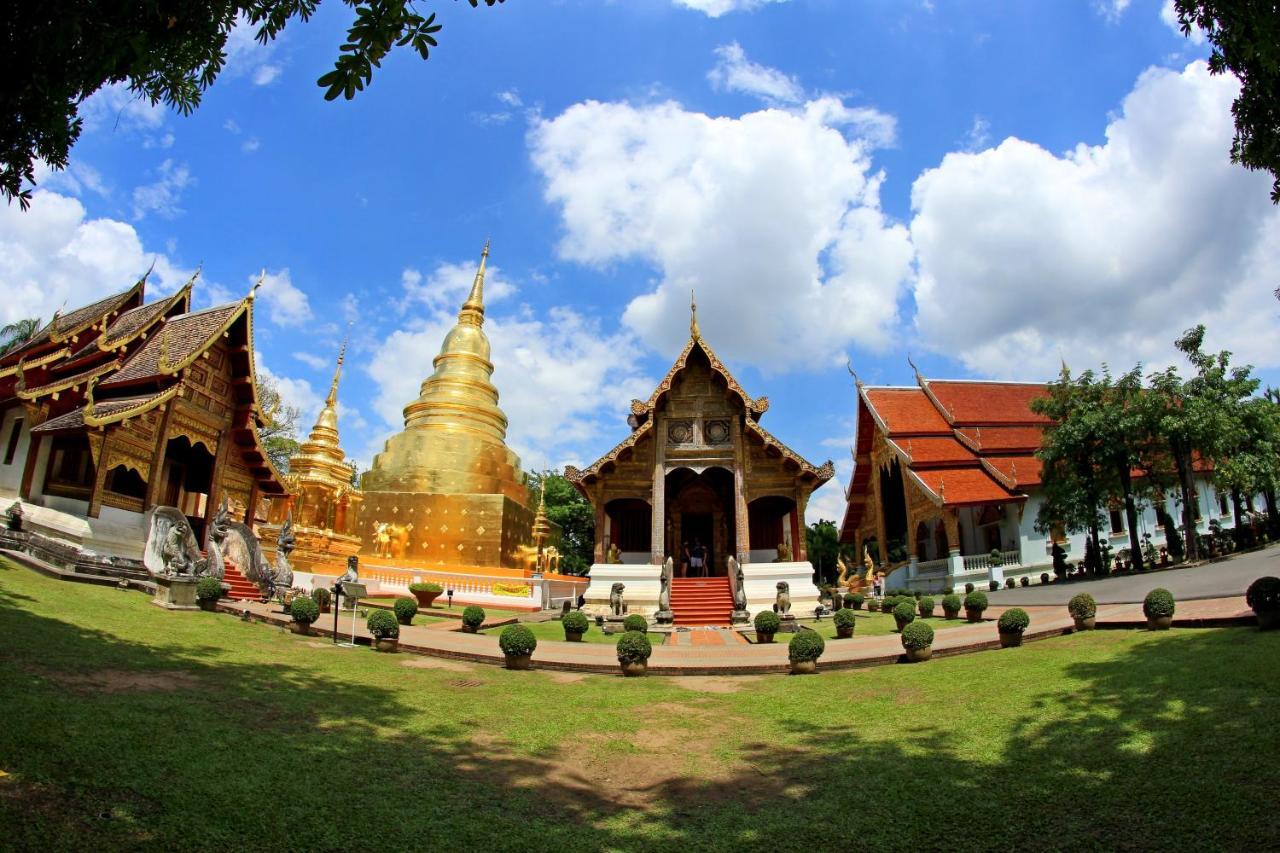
(535, 593)
(982, 562)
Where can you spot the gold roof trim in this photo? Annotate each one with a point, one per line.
(129, 337)
(146, 405)
(58, 336)
(24, 393)
(47, 358)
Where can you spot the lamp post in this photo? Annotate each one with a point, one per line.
(336, 594)
(450, 593)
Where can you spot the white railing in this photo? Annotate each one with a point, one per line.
(484, 589)
(932, 567)
(982, 562)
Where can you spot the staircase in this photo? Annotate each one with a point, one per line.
(701, 601)
(242, 589)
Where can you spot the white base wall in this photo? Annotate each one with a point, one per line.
(116, 532)
(643, 585)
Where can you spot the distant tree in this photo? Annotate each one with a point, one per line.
(355, 472)
(1245, 35)
(55, 55)
(17, 333)
(577, 520)
(822, 543)
(279, 432)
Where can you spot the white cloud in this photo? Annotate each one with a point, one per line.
(247, 58)
(735, 73)
(447, 286)
(293, 392)
(1104, 253)
(114, 107)
(773, 218)
(315, 362)
(716, 8)
(287, 305)
(53, 256)
(1112, 10)
(1169, 15)
(250, 145)
(979, 134)
(77, 179)
(162, 196)
(564, 383)
(510, 97)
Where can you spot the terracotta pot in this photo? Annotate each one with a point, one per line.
(425, 598)
(1009, 640)
(1159, 623)
(404, 621)
(1268, 621)
(804, 667)
(635, 669)
(302, 628)
(763, 637)
(917, 655)
(1087, 624)
(519, 661)
(573, 636)
(386, 644)
(925, 614)
(208, 604)
(467, 629)
(950, 614)
(843, 633)
(973, 615)
(325, 608)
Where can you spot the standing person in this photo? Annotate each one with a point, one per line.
(684, 561)
(697, 558)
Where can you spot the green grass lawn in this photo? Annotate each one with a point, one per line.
(877, 624)
(553, 630)
(127, 726)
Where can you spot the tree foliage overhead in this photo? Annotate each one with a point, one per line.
(55, 55)
(17, 333)
(1245, 35)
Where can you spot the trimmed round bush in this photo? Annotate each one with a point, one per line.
(1082, 606)
(1013, 621)
(1025, 580)
(473, 616)
(426, 587)
(844, 618)
(405, 609)
(951, 603)
(304, 610)
(1159, 602)
(1263, 595)
(321, 596)
(968, 588)
(993, 585)
(383, 625)
(873, 605)
(919, 594)
(948, 590)
(576, 621)
(517, 640)
(976, 601)
(847, 601)
(917, 635)
(767, 622)
(635, 622)
(634, 647)
(925, 606)
(208, 588)
(1044, 577)
(905, 611)
(806, 645)
(855, 601)
(1010, 583)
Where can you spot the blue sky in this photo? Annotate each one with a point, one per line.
(990, 187)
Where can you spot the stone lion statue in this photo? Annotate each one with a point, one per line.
(617, 604)
(782, 605)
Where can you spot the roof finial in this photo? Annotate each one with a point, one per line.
(694, 331)
(473, 308)
(856, 381)
(254, 291)
(151, 268)
(914, 369)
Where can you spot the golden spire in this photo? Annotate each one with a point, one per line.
(694, 331)
(473, 309)
(541, 529)
(337, 372)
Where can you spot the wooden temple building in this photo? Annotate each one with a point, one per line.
(122, 405)
(698, 471)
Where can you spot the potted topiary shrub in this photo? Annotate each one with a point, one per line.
(405, 609)
(767, 624)
(208, 591)
(974, 604)
(322, 598)
(904, 612)
(304, 611)
(925, 607)
(1263, 598)
(993, 585)
(517, 643)
(855, 601)
(1044, 577)
(1025, 580)
(425, 593)
(845, 623)
(1158, 608)
(951, 605)
(805, 649)
(1010, 583)
(635, 622)
(873, 605)
(847, 600)
(575, 624)
(634, 649)
(1011, 625)
(1084, 610)
(385, 629)
(472, 619)
(917, 642)
(968, 588)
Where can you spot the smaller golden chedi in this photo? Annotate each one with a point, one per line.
(324, 503)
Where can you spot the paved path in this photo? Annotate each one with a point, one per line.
(1228, 577)
(736, 658)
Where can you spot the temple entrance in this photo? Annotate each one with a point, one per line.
(700, 513)
(188, 477)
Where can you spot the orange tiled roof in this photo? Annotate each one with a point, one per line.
(906, 411)
(988, 402)
(1001, 439)
(183, 336)
(935, 450)
(964, 486)
(1015, 472)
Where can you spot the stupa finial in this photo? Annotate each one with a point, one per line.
(694, 331)
(337, 371)
(473, 309)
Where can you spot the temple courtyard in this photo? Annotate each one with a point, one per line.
(130, 726)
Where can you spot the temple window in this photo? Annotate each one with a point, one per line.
(70, 473)
(11, 448)
(1117, 520)
(126, 482)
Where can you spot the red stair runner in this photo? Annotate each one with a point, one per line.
(242, 589)
(701, 601)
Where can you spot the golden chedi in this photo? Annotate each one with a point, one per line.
(447, 491)
(323, 502)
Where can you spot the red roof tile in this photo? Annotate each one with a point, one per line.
(183, 336)
(934, 450)
(988, 402)
(964, 486)
(1001, 439)
(1017, 472)
(906, 411)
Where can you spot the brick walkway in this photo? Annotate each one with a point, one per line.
(722, 652)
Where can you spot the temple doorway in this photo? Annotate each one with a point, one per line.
(188, 479)
(700, 510)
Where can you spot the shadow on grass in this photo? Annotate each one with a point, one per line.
(1170, 744)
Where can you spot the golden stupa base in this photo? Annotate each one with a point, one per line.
(480, 533)
(317, 551)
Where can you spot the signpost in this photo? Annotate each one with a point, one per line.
(352, 592)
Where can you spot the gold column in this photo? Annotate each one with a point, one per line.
(657, 545)
(741, 525)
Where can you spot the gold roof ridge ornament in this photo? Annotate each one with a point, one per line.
(162, 362)
(253, 291)
(694, 331)
(89, 418)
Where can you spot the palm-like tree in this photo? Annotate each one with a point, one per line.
(17, 333)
